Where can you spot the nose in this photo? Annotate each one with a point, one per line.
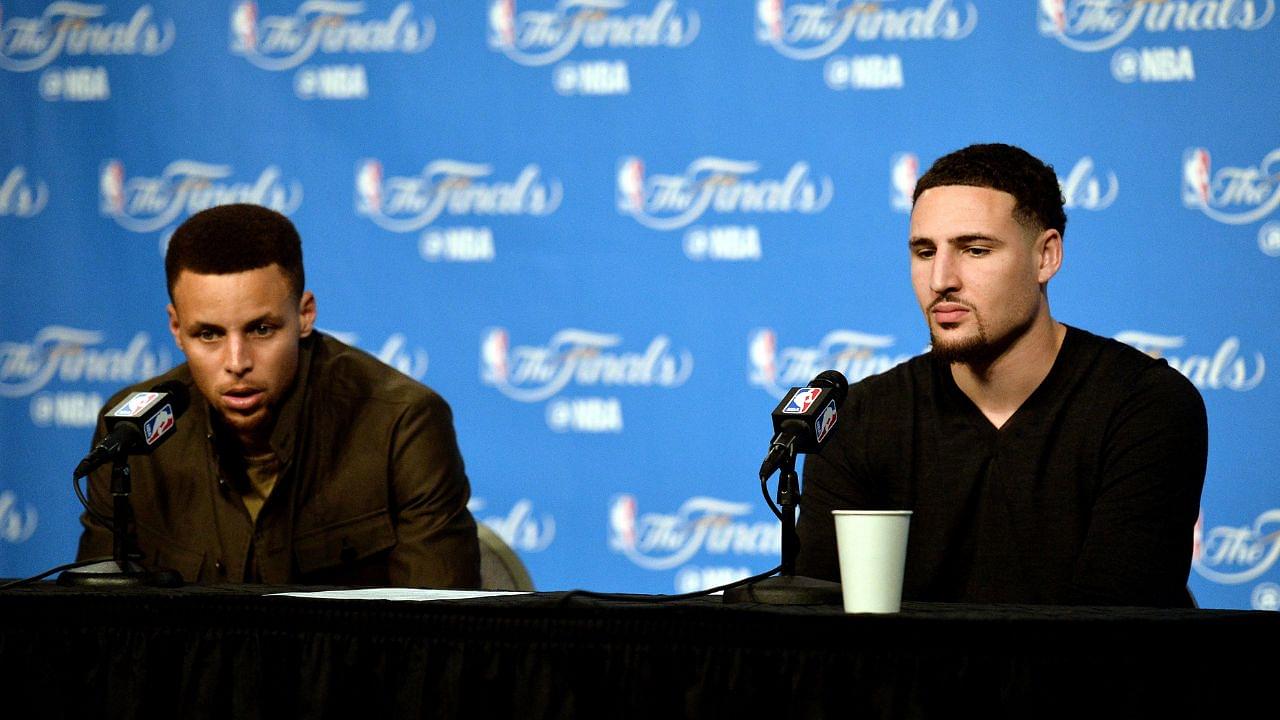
(239, 359)
(943, 278)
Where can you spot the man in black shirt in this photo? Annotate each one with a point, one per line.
(1043, 464)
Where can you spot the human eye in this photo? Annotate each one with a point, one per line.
(977, 251)
(262, 330)
(206, 335)
(922, 251)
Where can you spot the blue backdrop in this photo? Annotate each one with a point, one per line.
(613, 232)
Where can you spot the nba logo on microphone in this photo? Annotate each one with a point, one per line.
(156, 427)
(801, 401)
(825, 422)
(135, 404)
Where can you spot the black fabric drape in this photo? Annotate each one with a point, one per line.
(234, 653)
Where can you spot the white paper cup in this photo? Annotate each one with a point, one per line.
(872, 545)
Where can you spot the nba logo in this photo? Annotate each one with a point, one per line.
(244, 27)
(826, 422)
(903, 174)
(622, 523)
(1053, 17)
(1196, 184)
(801, 401)
(111, 188)
(135, 404)
(631, 185)
(493, 356)
(369, 187)
(502, 23)
(769, 20)
(156, 427)
(763, 351)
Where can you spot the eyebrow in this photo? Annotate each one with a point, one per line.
(918, 241)
(272, 318)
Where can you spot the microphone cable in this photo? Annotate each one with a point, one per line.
(108, 522)
(47, 573)
(572, 594)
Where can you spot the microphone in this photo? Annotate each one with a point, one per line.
(138, 424)
(804, 419)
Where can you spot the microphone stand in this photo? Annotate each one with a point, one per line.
(121, 570)
(788, 588)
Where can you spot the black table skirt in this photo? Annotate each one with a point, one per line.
(234, 653)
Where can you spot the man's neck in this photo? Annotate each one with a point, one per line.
(253, 445)
(248, 444)
(1000, 386)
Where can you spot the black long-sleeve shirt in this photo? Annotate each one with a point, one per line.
(1089, 493)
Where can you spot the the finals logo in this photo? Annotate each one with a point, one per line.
(79, 33)
(79, 30)
(541, 36)
(327, 28)
(1235, 194)
(1091, 26)
(144, 204)
(452, 203)
(717, 188)
(283, 42)
(716, 185)
(815, 30)
(1096, 25)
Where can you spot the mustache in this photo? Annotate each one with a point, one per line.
(950, 299)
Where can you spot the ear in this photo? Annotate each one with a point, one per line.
(306, 314)
(1048, 255)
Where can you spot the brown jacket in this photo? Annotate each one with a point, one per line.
(371, 490)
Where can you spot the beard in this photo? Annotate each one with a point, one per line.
(973, 349)
(980, 347)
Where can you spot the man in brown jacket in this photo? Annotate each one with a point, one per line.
(301, 460)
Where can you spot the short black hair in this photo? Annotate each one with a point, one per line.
(234, 238)
(1032, 183)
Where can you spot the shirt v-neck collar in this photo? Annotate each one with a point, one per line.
(973, 414)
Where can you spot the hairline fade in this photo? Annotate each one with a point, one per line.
(1006, 168)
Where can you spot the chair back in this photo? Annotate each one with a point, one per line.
(500, 567)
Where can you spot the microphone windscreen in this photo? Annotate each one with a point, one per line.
(179, 396)
(834, 380)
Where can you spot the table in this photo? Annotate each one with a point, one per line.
(233, 652)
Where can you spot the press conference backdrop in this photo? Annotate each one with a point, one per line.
(612, 232)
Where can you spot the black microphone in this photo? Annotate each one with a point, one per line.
(804, 419)
(138, 424)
